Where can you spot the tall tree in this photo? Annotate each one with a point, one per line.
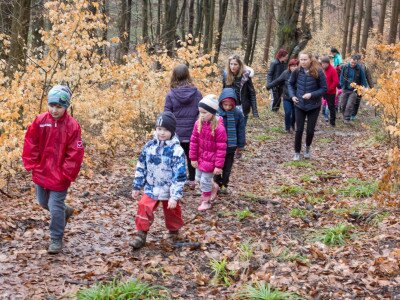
(37, 23)
(382, 15)
(158, 28)
(304, 13)
(145, 14)
(191, 16)
(199, 19)
(6, 10)
(223, 7)
(289, 36)
(352, 18)
(269, 18)
(394, 22)
(209, 6)
(321, 14)
(19, 34)
(170, 22)
(314, 22)
(359, 24)
(245, 22)
(251, 39)
(182, 17)
(367, 24)
(346, 17)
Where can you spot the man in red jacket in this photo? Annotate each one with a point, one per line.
(53, 151)
(332, 80)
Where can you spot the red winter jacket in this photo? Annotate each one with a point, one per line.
(332, 79)
(53, 150)
(207, 149)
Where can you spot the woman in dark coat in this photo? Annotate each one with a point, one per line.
(183, 100)
(278, 65)
(306, 86)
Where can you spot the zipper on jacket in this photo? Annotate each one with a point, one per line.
(55, 124)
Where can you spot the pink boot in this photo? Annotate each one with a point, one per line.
(204, 203)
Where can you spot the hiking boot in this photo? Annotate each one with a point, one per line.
(296, 156)
(139, 240)
(69, 211)
(55, 246)
(205, 203)
(307, 153)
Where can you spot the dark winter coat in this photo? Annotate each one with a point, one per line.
(183, 103)
(282, 80)
(349, 75)
(276, 68)
(246, 94)
(301, 83)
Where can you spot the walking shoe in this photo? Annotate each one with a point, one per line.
(296, 156)
(173, 236)
(345, 121)
(352, 118)
(307, 153)
(69, 211)
(214, 191)
(192, 184)
(55, 246)
(139, 240)
(205, 203)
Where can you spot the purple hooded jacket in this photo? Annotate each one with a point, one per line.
(183, 103)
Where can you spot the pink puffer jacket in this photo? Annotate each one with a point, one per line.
(207, 149)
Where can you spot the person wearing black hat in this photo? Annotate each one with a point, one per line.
(161, 172)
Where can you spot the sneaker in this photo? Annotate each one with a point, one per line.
(55, 246)
(139, 240)
(192, 184)
(223, 190)
(173, 236)
(307, 153)
(345, 121)
(296, 156)
(352, 118)
(69, 211)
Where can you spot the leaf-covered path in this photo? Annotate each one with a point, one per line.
(267, 228)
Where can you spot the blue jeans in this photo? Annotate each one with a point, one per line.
(55, 203)
(288, 106)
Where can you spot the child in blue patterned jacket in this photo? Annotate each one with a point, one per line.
(161, 171)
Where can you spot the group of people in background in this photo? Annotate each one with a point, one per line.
(311, 83)
(196, 139)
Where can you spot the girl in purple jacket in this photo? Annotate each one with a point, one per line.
(208, 149)
(183, 100)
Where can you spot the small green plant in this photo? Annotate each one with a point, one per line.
(221, 275)
(379, 218)
(263, 137)
(306, 178)
(336, 235)
(287, 255)
(132, 289)
(332, 172)
(298, 164)
(250, 196)
(290, 190)
(263, 291)
(359, 189)
(298, 213)
(277, 130)
(314, 199)
(325, 140)
(243, 214)
(245, 251)
(355, 209)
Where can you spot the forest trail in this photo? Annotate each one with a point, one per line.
(282, 206)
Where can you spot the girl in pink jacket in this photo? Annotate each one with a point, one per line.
(208, 149)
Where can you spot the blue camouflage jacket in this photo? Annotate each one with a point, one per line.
(161, 169)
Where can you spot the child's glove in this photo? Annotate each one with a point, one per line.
(172, 203)
(217, 171)
(195, 164)
(135, 194)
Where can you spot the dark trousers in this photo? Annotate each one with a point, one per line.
(356, 106)
(348, 101)
(312, 117)
(288, 106)
(223, 180)
(192, 171)
(276, 98)
(330, 98)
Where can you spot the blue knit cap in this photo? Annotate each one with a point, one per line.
(60, 94)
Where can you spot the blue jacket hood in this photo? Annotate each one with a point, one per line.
(227, 93)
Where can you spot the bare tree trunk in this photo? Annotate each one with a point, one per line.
(382, 15)
(191, 16)
(346, 17)
(223, 7)
(171, 8)
(237, 11)
(19, 34)
(145, 14)
(150, 9)
(269, 17)
(250, 44)
(105, 10)
(304, 13)
(183, 20)
(321, 14)
(352, 13)
(367, 24)
(255, 36)
(359, 24)
(6, 10)
(245, 21)
(158, 29)
(199, 18)
(314, 22)
(37, 23)
(394, 22)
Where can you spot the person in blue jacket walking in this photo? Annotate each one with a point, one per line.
(306, 86)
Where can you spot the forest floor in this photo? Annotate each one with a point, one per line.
(269, 228)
